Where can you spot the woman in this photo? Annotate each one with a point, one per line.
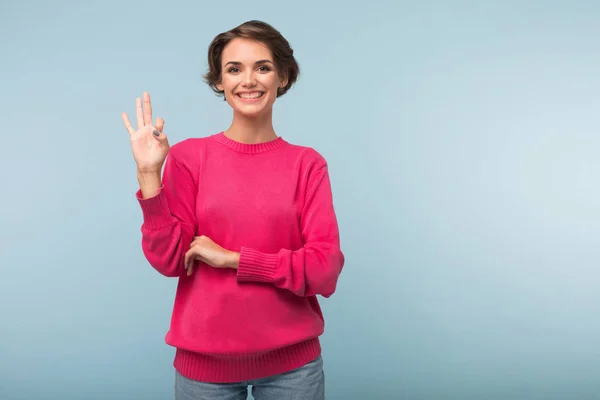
(245, 221)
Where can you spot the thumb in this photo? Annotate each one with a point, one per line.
(159, 136)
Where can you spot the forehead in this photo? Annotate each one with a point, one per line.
(245, 51)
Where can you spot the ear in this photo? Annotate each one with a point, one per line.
(283, 81)
(219, 86)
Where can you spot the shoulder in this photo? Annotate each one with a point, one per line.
(188, 150)
(307, 157)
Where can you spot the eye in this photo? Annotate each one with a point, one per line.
(233, 70)
(264, 68)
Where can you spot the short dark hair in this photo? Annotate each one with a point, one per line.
(283, 54)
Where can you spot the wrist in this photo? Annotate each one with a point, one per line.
(150, 183)
(233, 261)
(145, 174)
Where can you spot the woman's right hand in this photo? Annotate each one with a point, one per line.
(149, 144)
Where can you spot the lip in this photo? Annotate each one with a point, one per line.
(253, 100)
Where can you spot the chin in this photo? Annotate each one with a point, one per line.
(251, 113)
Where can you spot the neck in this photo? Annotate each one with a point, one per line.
(251, 130)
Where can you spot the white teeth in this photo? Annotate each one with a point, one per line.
(254, 95)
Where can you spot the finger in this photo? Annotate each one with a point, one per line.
(160, 124)
(189, 258)
(186, 259)
(139, 113)
(147, 109)
(189, 261)
(127, 124)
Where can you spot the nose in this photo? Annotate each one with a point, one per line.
(249, 79)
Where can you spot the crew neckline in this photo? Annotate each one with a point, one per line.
(249, 148)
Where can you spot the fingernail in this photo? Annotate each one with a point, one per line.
(156, 133)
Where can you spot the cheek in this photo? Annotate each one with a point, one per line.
(228, 83)
(270, 82)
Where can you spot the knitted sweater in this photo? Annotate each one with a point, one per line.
(272, 203)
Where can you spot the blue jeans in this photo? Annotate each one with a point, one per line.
(304, 383)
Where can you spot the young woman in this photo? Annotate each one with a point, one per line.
(245, 221)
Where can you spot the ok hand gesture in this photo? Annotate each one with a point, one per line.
(149, 144)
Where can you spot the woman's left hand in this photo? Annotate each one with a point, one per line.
(204, 249)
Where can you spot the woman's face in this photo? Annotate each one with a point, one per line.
(249, 78)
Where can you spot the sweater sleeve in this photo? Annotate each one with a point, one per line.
(314, 268)
(169, 222)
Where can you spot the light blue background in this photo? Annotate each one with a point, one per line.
(463, 140)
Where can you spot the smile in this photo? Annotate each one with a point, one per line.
(250, 95)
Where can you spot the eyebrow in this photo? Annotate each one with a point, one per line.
(256, 63)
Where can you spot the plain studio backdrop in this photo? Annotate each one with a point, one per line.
(463, 142)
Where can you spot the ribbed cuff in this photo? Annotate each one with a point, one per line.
(256, 266)
(155, 209)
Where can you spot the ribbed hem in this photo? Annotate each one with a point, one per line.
(155, 209)
(249, 148)
(227, 369)
(255, 266)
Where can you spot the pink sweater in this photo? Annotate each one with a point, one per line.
(271, 202)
